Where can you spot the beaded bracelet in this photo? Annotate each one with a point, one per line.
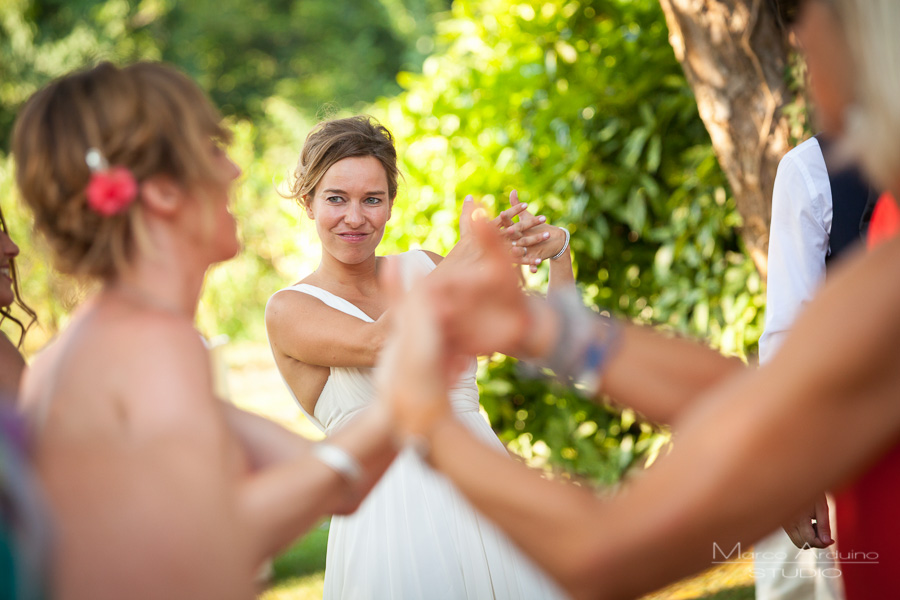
(339, 460)
(565, 244)
(584, 344)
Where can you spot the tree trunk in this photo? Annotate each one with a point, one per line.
(734, 56)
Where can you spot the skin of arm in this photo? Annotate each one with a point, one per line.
(535, 236)
(562, 275)
(286, 489)
(712, 488)
(483, 310)
(306, 329)
(282, 489)
(308, 337)
(294, 489)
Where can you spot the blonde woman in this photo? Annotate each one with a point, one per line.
(749, 451)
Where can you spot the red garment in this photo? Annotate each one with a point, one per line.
(885, 221)
(867, 521)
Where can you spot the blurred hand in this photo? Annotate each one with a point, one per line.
(414, 370)
(806, 534)
(467, 251)
(479, 304)
(529, 241)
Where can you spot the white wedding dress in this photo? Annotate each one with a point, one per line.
(415, 537)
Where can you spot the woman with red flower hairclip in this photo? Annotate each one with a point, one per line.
(159, 489)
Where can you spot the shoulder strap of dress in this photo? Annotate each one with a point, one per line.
(329, 299)
(415, 264)
(423, 261)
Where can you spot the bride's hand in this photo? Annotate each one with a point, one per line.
(535, 239)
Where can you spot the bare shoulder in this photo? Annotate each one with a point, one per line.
(288, 301)
(168, 360)
(291, 307)
(132, 372)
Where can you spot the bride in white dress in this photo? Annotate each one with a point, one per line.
(414, 536)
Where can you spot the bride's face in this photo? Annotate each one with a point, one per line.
(351, 207)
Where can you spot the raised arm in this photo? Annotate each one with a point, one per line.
(291, 487)
(713, 490)
(286, 487)
(541, 242)
(304, 328)
(483, 310)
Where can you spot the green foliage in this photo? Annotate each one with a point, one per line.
(42, 39)
(309, 52)
(578, 104)
(269, 64)
(313, 53)
(582, 107)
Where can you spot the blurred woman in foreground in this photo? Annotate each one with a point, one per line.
(747, 454)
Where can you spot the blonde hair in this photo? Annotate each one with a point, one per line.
(146, 117)
(873, 124)
(331, 141)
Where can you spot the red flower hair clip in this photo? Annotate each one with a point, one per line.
(111, 189)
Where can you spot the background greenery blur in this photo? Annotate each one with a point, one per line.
(578, 104)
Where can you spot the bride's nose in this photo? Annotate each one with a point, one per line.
(354, 215)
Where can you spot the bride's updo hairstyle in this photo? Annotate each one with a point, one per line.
(331, 141)
(125, 124)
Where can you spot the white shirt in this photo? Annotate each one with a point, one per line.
(798, 240)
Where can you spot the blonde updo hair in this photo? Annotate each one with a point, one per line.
(331, 141)
(872, 125)
(146, 117)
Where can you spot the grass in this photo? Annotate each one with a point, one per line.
(299, 573)
(253, 383)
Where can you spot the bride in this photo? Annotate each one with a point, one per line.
(414, 536)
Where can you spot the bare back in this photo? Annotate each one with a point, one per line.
(131, 445)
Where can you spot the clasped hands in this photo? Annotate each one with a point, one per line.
(530, 240)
